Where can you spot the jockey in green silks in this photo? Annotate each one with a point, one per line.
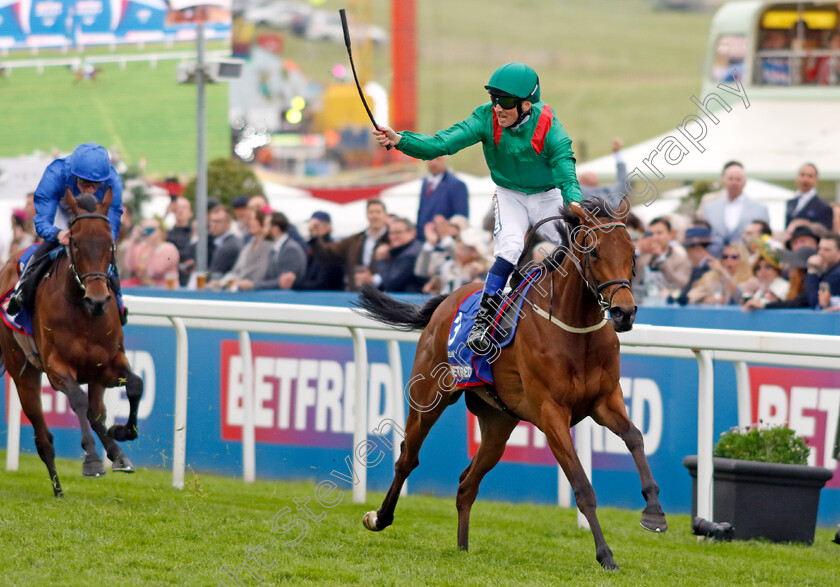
(531, 162)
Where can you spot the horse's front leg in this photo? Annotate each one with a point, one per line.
(63, 378)
(134, 391)
(427, 404)
(96, 417)
(613, 414)
(555, 422)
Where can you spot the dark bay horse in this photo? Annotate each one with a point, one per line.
(562, 366)
(79, 339)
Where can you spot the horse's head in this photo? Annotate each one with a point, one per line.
(91, 248)
(607, 253)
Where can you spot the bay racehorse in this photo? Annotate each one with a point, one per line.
(77, 339)
(562, 366)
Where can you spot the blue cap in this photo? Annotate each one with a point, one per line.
(90, 162)
(240, 202)
(697, 235)
(322, 216)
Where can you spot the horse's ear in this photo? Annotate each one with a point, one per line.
(620, 207)
(71, 202)
(577, 210)
(105, 204)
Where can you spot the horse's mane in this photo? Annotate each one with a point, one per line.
(87, 202)
(597, 207)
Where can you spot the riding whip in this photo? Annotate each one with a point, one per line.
(344, 26)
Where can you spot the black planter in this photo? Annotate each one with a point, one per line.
(764, 500)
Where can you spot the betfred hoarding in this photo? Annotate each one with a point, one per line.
(643, 400)
(807, 400)
(304, 394)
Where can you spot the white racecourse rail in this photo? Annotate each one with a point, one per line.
(799, 350)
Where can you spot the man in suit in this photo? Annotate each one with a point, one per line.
(224, 246)
(288, 261)
(320, 275)
(806, 203)
(730, 215)
(356, 252)
(394, 269)
(824, 267)
(441, 194)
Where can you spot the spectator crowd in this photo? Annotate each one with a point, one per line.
(725, 254)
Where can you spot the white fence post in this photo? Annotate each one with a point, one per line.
(179, 444)
(583, 446)
(705, 435)
(248, 433)
(742, 384)
(564, 489)
(399, 409)
(360, 414)
(13, 417)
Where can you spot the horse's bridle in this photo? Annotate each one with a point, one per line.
(585, 271)
(80, 279)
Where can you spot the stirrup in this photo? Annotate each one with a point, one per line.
(15, 304)
(479, 340)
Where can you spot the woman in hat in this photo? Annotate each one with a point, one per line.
(767, 284)
(797, 266)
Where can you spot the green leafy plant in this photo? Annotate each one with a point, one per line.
(226, 179)
(769, 444)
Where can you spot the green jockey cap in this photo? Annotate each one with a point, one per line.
(515, 79)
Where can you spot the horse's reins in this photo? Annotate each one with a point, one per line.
(584, 271)
(94, 275)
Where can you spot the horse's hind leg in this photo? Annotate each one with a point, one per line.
(555, 422)
(29, 390)
(613, 415)
(61, 378)
(96, 417)
(496, 428)
(427, 404)
(134, 391)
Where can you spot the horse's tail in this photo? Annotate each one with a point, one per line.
(402, 316)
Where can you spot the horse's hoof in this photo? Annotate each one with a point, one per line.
(122, 464)
(122, 433)
(654, 523)
(370, 521)
(609, 565)
(93, 469)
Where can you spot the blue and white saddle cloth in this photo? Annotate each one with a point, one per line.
(468, 368)
(22, 322)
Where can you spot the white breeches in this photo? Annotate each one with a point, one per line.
(516, 212)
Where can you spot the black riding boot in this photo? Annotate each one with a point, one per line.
(24, 292)
(480, 341)
(114, 282)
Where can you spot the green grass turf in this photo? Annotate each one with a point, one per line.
(138, 530)
(141, 111)
(607, 67)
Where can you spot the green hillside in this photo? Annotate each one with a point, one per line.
(140, 111)
(608, 67)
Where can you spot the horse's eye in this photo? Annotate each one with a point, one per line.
(594, 253)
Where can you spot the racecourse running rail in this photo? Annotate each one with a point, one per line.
(706, 345)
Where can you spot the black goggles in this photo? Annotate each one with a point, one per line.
(506, 102)
(83, 183)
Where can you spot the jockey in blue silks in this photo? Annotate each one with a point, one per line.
(87, 171)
